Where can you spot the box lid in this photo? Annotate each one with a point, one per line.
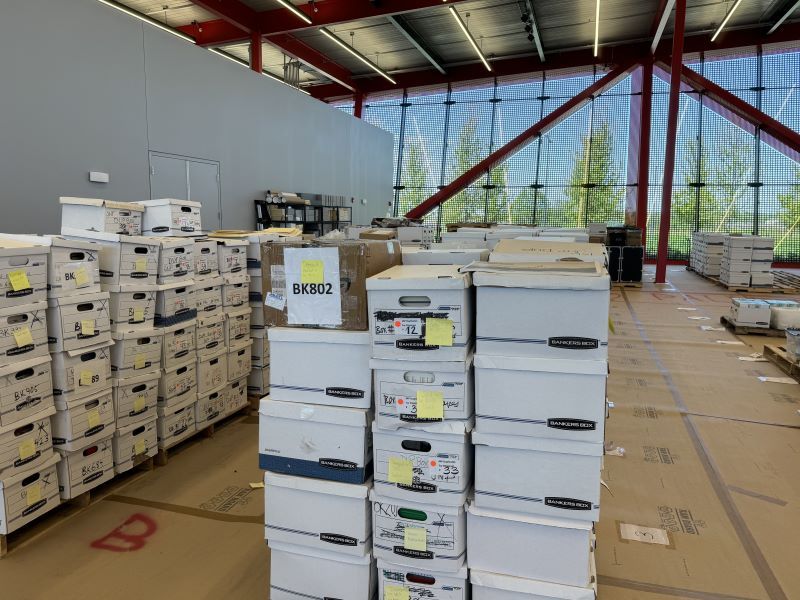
(204, 284)
(100, 202)
(183, 404)
(519, 442)
(229, 241)
(146, 423)
(55, 241)
(419, 277)
(444, 431)
(530, 519)
(749, 302)
(188, 324)
(423, 506)
(135, 334)
(309, 335)
(62, 405)
(92, 348)
(42, 414)
(14, 247)
(561, 275)
(542, 365)
(172, 201)
(104, 236)
(132, 288)
(173, 285)
(393, 364)
(320, 486)
(151, 376)
(460, 574)
(545, 248)
(77, 299)
(316, 413)
(235, 278)
(323, 554)
(174, 242)
(16, 478)
(21, 365)
(238, 312)
(23, 308)
(543, 589)
(206, 320)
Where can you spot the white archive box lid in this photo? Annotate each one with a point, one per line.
(530, 518)
(423, 506)
(61, 405)
(563, 275)
(521, 442)
(42, 414)
(104, 203)
(315, 413)
(147, 377)
(508, 232)
(543, 247)
(460, 574)
(9, 247)
(532, 586)
(542, 365)
(174, 242)
(206, 320)
(236, 278)
(173, 410)
(93, 348)
(9, 481)
(188, 324)
(211, 282)
(393, 364)
(307, 335)
(229, 241)
(16, 367)
(436, 431)
(174, 285)
(165, 201)
(136, 334)
(320, 486)
(55, 241)
(22, 309)
(103, 236)
(316, 553)
(77, 299)
(419, 277)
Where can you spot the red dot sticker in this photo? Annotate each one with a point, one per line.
(433, 463)
(400, 401)
(397, 323)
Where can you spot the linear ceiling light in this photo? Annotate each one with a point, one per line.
(471, 39)
(244, 64)
(146, 19)
(596, 27)
(295, 11)
(327, 33)
(785, 16)
(726, 19)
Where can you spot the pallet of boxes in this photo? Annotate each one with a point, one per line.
(315, 441)
(540, 405)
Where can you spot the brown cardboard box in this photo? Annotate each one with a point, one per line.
(358, 259)
(378, 234)
(454, 226)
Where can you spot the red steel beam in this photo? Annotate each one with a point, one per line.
(214, 33)
(672, 134)
(233, 12)
(293, 47)
(358, 105)
(518, 143)
(256, 62)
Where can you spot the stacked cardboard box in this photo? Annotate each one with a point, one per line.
(129, 272)
(747, 261)
(421, 341)
(28, 482)
(538, 528)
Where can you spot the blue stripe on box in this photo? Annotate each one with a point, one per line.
(310, 468)
(175, 319)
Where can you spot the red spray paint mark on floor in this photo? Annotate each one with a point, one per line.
(130, 536)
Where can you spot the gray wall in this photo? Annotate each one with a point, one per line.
(84, 87)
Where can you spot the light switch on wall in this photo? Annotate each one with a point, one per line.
(99, 177)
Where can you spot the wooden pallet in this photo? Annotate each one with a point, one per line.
(745, 330)
(162, 458)
(778, 356)
(785, 283)
(627, 284)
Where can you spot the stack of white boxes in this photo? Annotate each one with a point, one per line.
(747, 261)
(706, 253)
(750, 312)
(540, 395)
(761, 263)
(421, 342)
(129, 269)
(28, 481)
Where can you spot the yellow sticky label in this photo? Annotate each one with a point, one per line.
(400, 471)
(438, 332)
(81, 277)
(141, 265)
(18, 280)
(138, 315)
(86, 378)
(395, 592)
(138, 404)
(312, 271)
(139, 447)
(415, 538)
(94, 418)
(87, 327)
(23, 336)
(27, 448)
(139, 362)
(430, 405)
(611, 325)
(33, 493)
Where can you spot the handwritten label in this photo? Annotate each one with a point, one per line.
(18, 280)
(312, 271)
(430, 405)
(408, 327)
(33, 493)
(27, 448)
(81, 277)
(415, 538)
(23, 337)
(400, 471)
(438, 332)
(395, 592)
(86, 378)
(276, 301)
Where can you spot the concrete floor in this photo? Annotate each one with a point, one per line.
(695, 433)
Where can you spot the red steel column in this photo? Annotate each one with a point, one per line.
(643, 184)
(358, 107)
(672, 134)
(255, 52)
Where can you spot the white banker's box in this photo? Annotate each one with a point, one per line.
(340, 373)
(298, 572)
(175, 304)
(132, 308)
(239, 361)
(135, 352)
(419, 534)
(26, 387)
(82, 470)
(82, 422)
(231, 255)
(78, 321)
(167, 216)
(438, 255)
(210, 407)
(212, 371)
(135, 399)
(237, 327)
(411, 308)
(124, 259)
(210, 335)
(175, 260)
(542, 397)
(531, 547)
(570, 319)
(491, 586)
(23, 273)
(208, 296)
(422, 584)
(206, 264)
(750, 312)
(432, 466)
(564, 478)
(28, 495)
(23, 332)
(177, 383)
(101, 216)
(236, 396)
(81, 373)
(398, 383)
(235, 291)
(178, 344)
(326, 515)
(176, 423)
(25, 447)
(312, 440)
(134, 443)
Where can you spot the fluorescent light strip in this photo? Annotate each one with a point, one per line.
(146, 19)
(295, 11)
(471, 39)
(726, 19)
(244, 64)
(327, 33)
(597, 27)
(785, 16)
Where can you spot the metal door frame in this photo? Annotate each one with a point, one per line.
(187, 160)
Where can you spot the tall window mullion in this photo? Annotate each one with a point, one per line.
(400, 147)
